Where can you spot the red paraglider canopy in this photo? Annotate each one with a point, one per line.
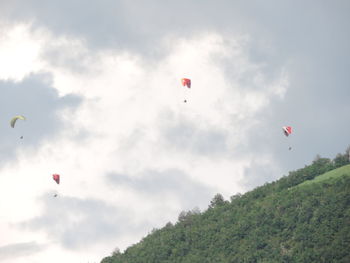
(186, 82)
(56, 177)
(287, 130)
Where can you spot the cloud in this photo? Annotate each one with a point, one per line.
(79, 223)
(17, 250)
(139, 26)
(162, 184)
(187, 136)
(260, 171)
(19, 52)
(107, 24)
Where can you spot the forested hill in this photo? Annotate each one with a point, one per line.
(285, 221)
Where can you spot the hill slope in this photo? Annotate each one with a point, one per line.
(273, 223)
(330, 176)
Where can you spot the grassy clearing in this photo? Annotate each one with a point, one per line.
(331, 175)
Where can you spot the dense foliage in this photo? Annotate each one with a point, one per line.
(277, 222)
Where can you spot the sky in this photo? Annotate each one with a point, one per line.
(99, 83)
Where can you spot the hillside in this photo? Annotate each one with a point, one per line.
(277, 222)
(330, 176)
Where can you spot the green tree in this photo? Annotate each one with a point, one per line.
(218, 200)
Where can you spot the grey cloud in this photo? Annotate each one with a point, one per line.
(67, 58)
(292, 26)
(257, 174)
(78, 223)
(102, 24)
(17, 250)
(182, 135)
(172, 181)
(39, 103)
(135, 25)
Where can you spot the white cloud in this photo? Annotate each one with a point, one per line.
(122, 126)
(19, 52)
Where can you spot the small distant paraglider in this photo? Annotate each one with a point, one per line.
(287, 130)
(186, 83)
(56, 178)
(14, 120)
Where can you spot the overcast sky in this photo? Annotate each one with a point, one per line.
(99, 83)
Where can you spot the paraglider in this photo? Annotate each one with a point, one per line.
(287, 130)
(56, 177)
(14, 120)
(186, 83)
